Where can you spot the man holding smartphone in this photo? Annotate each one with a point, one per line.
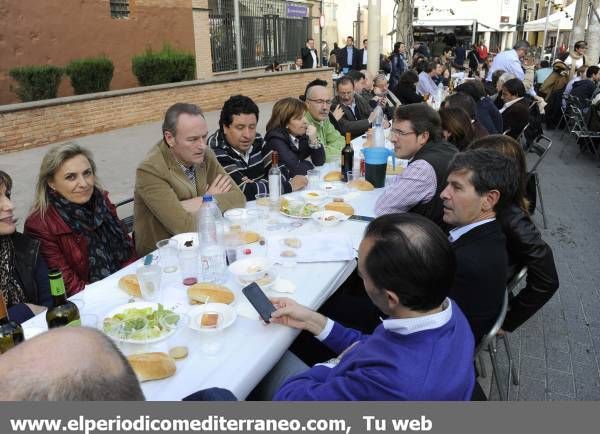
(423, 351)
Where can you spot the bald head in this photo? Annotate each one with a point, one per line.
(67, 364)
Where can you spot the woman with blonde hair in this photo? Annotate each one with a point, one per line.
(523, 241)
(289, 133)
(74, 220)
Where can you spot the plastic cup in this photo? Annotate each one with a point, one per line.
(189, 262)
(149, 277)
(263, 204)
(353, 176)
(212, 337)
(167, 251)
(314, 179)
(233, 242)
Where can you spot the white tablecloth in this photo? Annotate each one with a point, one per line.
(249, 349)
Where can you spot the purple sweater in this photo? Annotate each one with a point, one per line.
(428, 365)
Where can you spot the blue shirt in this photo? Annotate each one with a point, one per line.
(426, 85)
(350, 53)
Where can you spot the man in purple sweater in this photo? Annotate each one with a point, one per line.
(423, 351)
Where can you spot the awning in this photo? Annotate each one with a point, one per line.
(455, 22)
(562, 20)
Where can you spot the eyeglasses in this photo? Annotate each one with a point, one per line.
(402, 133)
(320, 101)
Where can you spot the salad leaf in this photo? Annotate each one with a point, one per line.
(141, 324)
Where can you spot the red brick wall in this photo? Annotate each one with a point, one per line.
(44, 122)
(54, 32)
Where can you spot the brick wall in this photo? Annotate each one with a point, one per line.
(43, 122)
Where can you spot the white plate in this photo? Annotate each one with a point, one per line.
(320, 216)
(314, 196)
(227, 312)
(334, 188)
(137, 305)
(293, 216)
(186, 236)
(240, 268)
(274, 278)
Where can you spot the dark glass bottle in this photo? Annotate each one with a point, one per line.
(347, 158)
(11, 333)
(63, 312)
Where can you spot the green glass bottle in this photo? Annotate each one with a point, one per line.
(63, 312)
(11, 333)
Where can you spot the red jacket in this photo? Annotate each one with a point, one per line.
(64, 249)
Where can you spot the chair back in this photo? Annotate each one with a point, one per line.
(491, 334)
(127, 221)
(540, 147)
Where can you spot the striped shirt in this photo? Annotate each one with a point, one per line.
(251, 171)
(417, 184)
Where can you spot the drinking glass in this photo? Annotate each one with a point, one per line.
(188, 264)
(214, 263)
(233, 242)
(263, 204)
(212, 337)
(314, 179)
(167, 251)
(149, 277)
(353, 176)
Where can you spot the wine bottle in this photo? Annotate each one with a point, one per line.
(63, 312)
(347, 158)
(274, 178)
(11, 333)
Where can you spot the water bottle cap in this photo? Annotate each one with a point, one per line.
(207, 198)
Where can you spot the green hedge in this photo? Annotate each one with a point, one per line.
(165, 66)
(36, 82)
(90, 75)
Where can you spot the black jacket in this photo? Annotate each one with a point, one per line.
(356, 123)
(515, 117)
(32, 274)
(526, 248)
(295, 160)
(407, 94)
(583, 89)
(342, 58)
(307, 60)
(480, 278)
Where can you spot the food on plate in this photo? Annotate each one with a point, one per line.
(294, 243)
(249, 237)
(341, 206)
(141, 324)
(313, 194)
(130, 284)
(254, 268)
(330, 218)
(303, 210)
(361, 184)
(209, 293)
(335, 175)
(288, 254)
(188, 243)
(178, 352)
(152, 366)
(209, 320)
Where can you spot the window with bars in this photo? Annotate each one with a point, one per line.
(119, 8)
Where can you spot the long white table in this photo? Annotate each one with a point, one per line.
(249, 348)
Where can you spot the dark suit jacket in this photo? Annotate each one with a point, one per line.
(360, 58)
(356, 123)
(307, 60)
(515, 117)
(480, 279)
(342, 58)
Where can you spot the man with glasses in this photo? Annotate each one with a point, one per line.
(358, 115)
(318, 102)
(416, 135)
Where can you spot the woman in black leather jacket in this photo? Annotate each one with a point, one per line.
(23, 272)
(524, 242)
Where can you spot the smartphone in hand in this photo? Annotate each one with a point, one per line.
(259, 301)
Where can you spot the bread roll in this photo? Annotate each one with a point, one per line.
(361, 185)
(152, 366)
(203, 292)
(130, 285)
(249, 237)
(209, 320)
(335, 175)
(342, 207)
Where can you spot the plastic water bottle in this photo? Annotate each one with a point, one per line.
(212, 251)
(211, 203)
(378, 134)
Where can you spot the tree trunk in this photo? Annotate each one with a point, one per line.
(593, 51)
(404, 23)
(579, 20)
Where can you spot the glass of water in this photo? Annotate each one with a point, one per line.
(314, 179)
(214, 264)
(149, 277)
(167, 251)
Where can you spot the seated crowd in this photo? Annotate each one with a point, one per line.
(451, 230)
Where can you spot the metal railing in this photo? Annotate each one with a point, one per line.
(272, 31)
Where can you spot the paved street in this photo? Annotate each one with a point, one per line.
(557, 351)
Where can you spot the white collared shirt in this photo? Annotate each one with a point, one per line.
(245, 156)
(456, 233)
(314, 57)
(406, 326)
(364, 59)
